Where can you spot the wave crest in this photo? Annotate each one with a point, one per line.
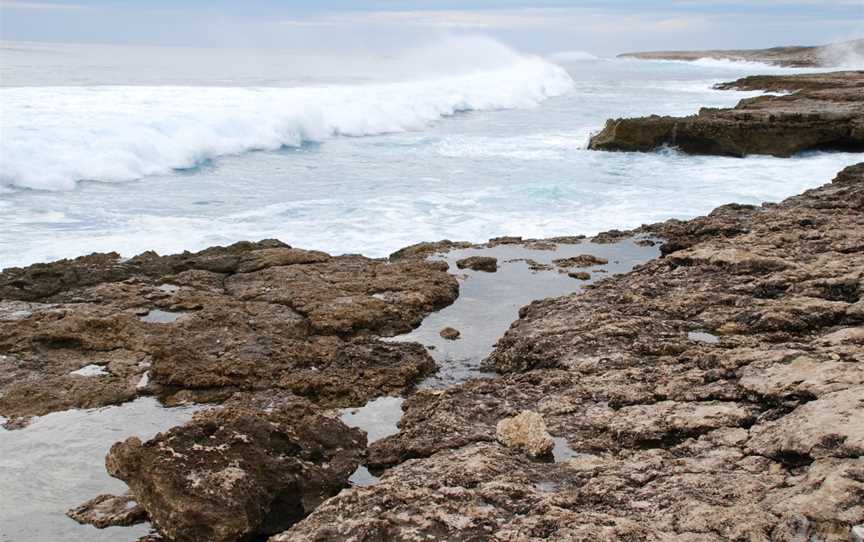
(54, 137)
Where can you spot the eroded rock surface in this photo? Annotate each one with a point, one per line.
(714, 394)
(198, 327)
(526, 432)
(109, 511)
(254, 467)
(824, 111)
(479, 263)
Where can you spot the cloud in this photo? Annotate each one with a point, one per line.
(40, 6)
(448, 18)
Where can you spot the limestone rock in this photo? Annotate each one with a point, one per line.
(827, 115)
(246, 317)
(479, 263)
(255, 467)
(109, 511)
(526, 432)
(583, 260)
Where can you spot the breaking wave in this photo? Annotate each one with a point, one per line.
(54, 137)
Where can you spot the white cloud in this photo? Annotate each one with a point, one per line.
(40, 6)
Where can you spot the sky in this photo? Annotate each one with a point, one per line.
(601, 27)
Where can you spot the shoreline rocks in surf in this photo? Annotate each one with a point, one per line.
(823, 112)
(791, 57)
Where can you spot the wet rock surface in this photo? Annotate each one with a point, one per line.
(254, 467)
(823, 112)
(479, 263)
(109, 511)
(99, 330)
(753, 436)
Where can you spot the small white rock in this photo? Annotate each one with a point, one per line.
(90, 370)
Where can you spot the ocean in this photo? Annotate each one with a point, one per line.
(128, 149)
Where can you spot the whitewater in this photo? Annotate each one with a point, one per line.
(461, 139)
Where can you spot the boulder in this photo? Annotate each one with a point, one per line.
(526, 432)
(252, 468)
(449, 333)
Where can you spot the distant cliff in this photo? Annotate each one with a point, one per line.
(835, 54)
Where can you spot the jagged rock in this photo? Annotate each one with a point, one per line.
(255, 467)
(479, 263)
(751, 436)
(109, 511)
(579, 275)
(526, 432)
(824, 115)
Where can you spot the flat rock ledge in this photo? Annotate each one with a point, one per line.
(823, 112)
(99, 330)
(715, 394)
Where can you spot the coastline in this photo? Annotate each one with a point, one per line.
(708, 394)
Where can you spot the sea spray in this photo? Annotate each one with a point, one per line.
(54, 137)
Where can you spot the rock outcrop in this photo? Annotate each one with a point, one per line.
(253, 468)
(825, 111)
(836, 54)
(714, 394)
(99, 330)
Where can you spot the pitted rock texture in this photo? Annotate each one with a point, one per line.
(201, 326)
(479, 263)
(715, 394)
(255, 467)
(824, 111)
(109, 511)
(525, 432)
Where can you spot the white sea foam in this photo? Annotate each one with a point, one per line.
(54, 137)
(573, 56)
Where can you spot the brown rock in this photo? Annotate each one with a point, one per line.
(449, 333)
(583, 260)
(826, 112)
(255, 467)
(479, 263)
(109, 511)
(526, 432)
(202, 326)
(752, 437)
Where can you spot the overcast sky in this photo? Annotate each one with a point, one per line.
(606, 27)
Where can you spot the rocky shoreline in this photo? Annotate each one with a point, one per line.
(713, 393)
(821, 112)
(791, 57)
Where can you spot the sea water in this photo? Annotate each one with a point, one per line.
(130, 149)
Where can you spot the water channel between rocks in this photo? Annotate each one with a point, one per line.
(488, 304)
(57, 462)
